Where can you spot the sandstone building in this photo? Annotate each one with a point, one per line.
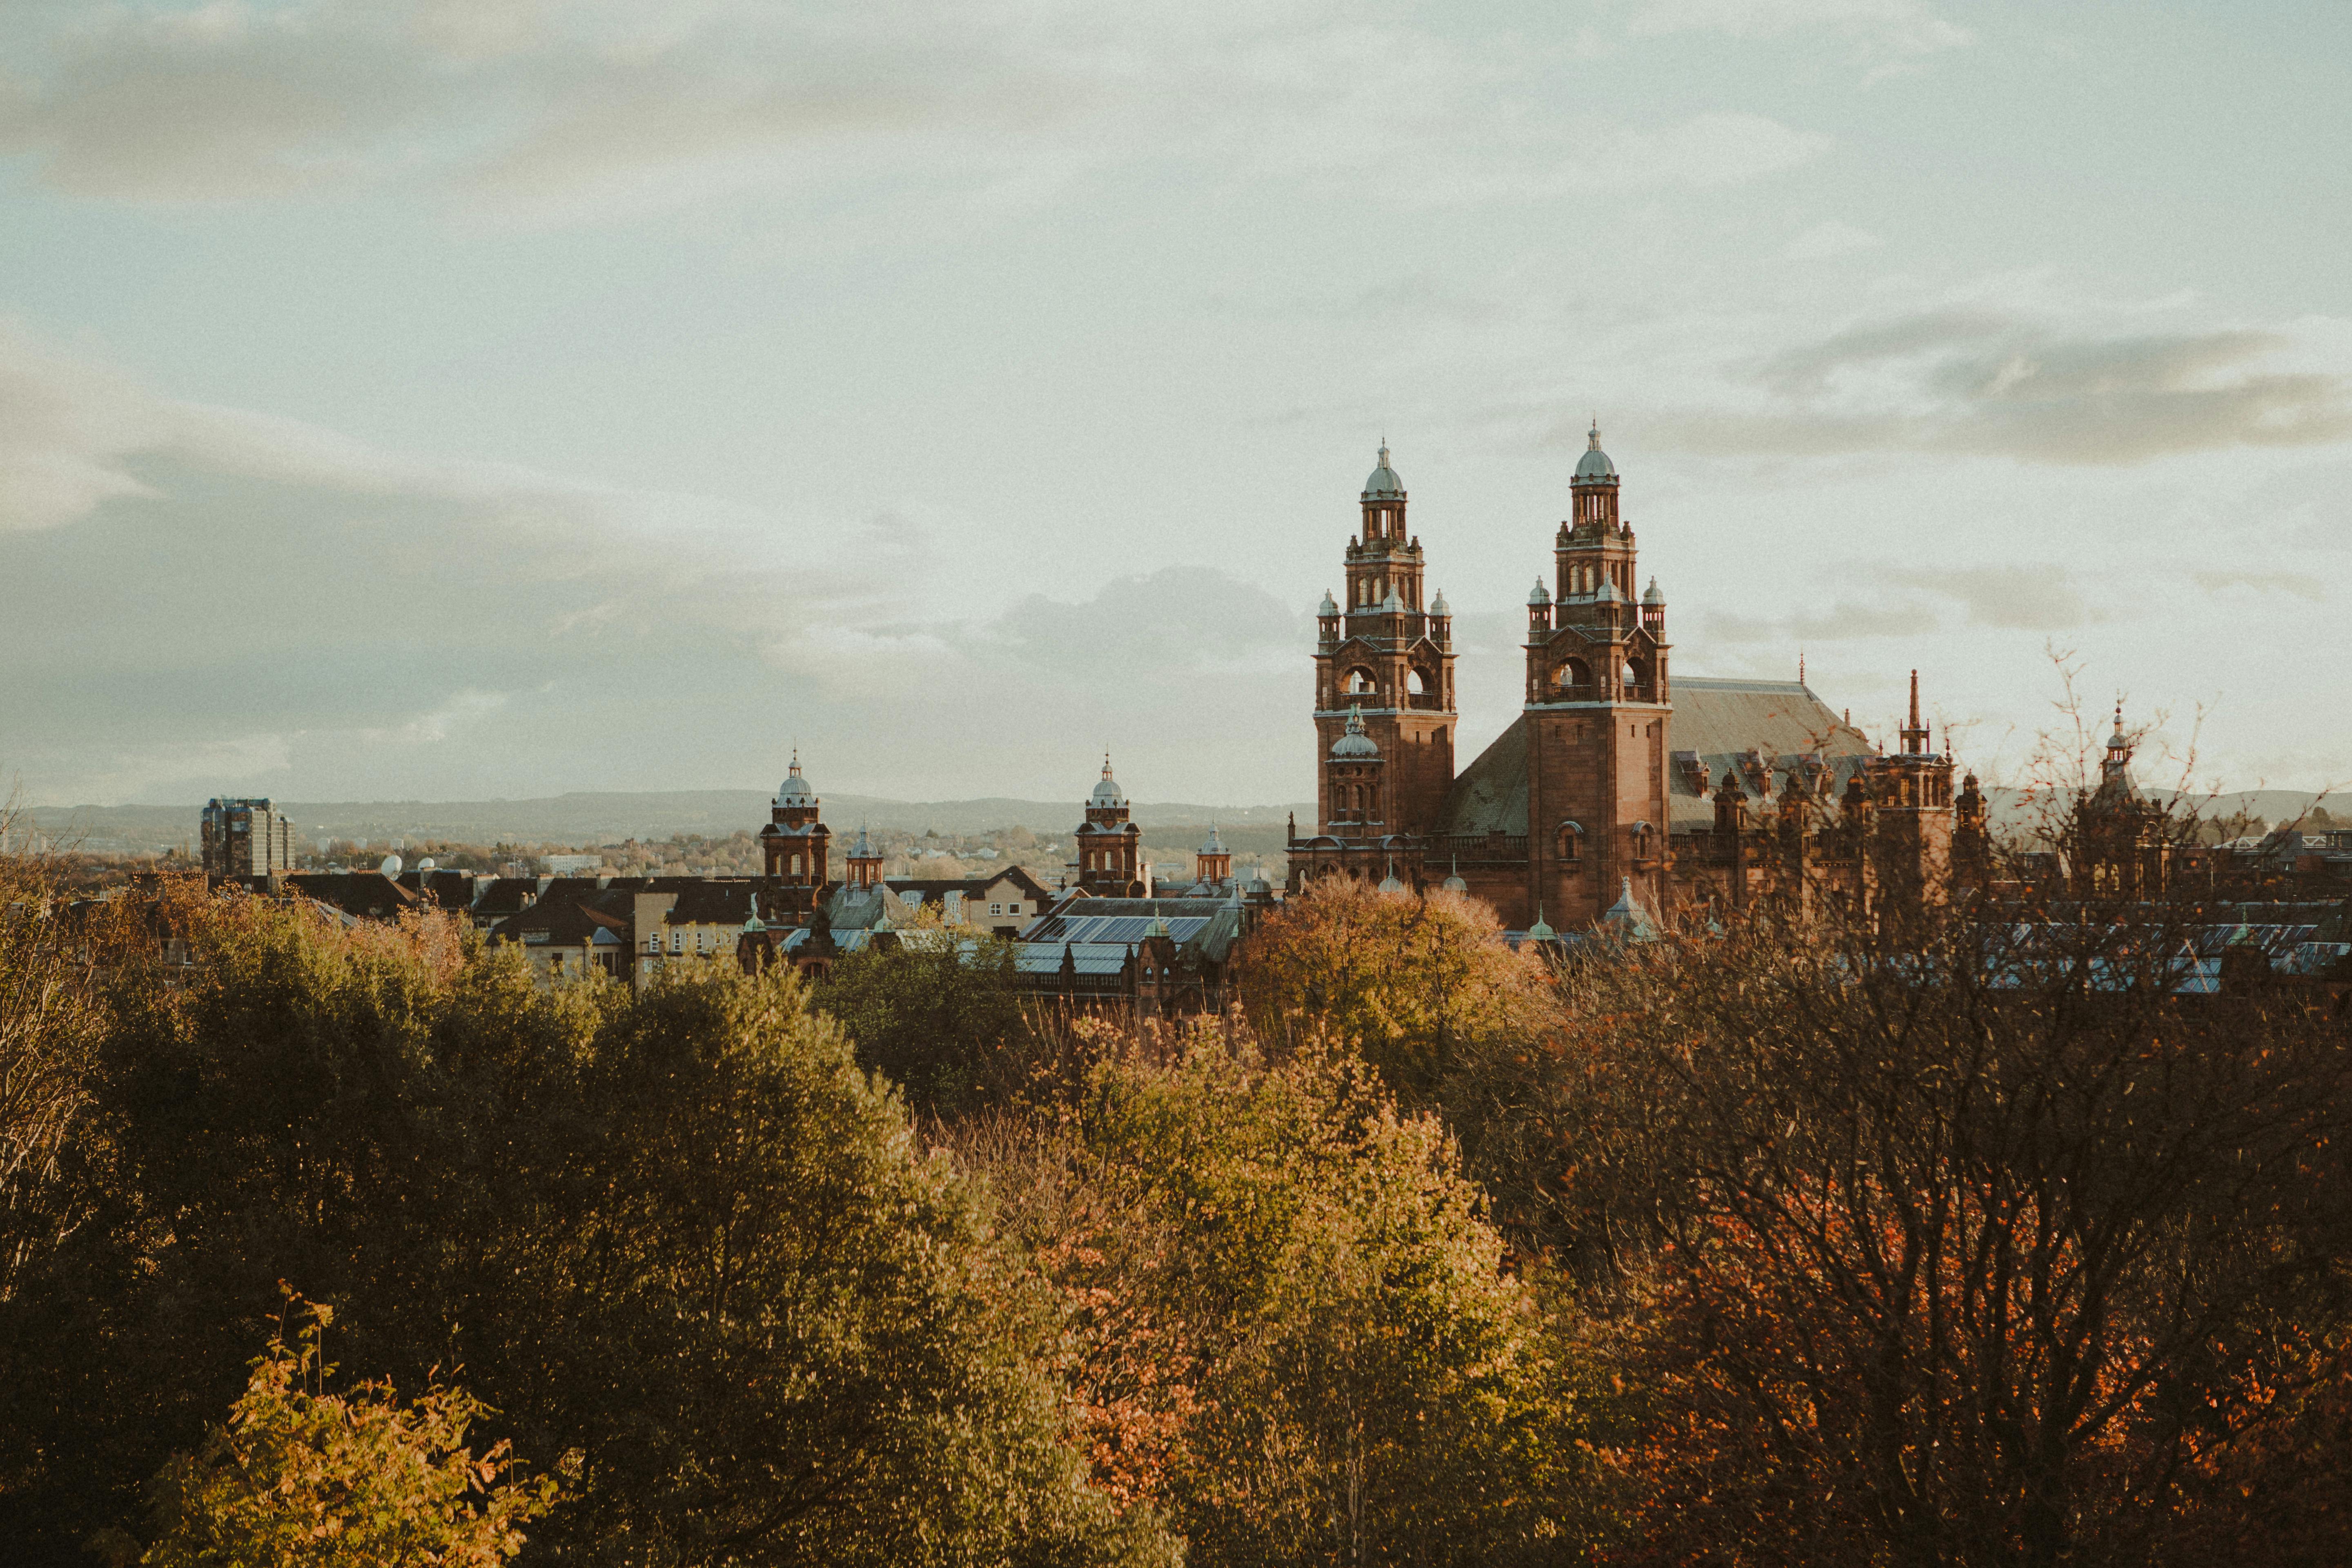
(1618, 785)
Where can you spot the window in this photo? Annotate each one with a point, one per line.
(1571, 841)
(1414, 684)
(996, 909)
(1360, 683)
(1572, 672)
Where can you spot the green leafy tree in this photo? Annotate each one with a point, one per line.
(780, 1328)
(683, 1233)
(1411, 985)
(1347, 1372)
(937, 1014)
(301, 1477)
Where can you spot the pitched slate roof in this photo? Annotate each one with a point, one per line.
(711, 904)
(1718, 719)
(1722, 720)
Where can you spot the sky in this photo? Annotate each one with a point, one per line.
(447, 399)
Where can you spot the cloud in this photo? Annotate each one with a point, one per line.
(522, 112)
(2300, 584)
(205, 600)
(2026, 597)
(1847, 621)
(1825, 240)
(1178, 624)
(1903, 26)
(1978, 383)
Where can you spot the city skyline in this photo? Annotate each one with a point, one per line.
(448, 402)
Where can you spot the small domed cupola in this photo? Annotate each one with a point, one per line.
(1538, 594)
(1438, 606)
(1355, 743)
(1107, 792)
(1330, 606)
(1383, 483)
(1652, 596)
(1595, 464)
(795, 790)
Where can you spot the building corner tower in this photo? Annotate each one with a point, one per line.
(1598, 707)
(1383, 677)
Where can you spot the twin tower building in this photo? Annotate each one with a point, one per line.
(1618, 788)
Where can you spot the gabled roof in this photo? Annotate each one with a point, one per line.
(1718, 719)
(1722, 720)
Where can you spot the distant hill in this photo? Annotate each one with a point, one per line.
(610, 816)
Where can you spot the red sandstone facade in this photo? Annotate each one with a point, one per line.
(1613, 780)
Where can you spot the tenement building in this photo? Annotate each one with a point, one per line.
(1617, 781)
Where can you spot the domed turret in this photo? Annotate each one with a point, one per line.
(1538, 594)
(1650, 596)
(795, 790)
(1438, 606)
(1382, 484)
(1107, 793)
(1329, 607)
(1453, 882)
(1595, 464)
(1355, 742)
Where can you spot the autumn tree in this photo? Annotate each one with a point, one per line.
(1299, 1320)
(1957, 1238)
(302, 1478)
(936, 1012)
(1409, 984)
(682, 1232)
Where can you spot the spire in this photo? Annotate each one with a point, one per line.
(1915, 734)
(1592, 437)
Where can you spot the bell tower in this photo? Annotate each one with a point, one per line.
(1598, 708)
(793, 845)
(1107, 844)
(1384, 670)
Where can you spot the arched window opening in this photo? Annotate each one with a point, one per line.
(1572, 672)
(1571, 841)
(1414, 684)
(1361, 683)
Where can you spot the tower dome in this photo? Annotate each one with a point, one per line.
(1653, 596)
(795, 790)
(1595, 464)
(1107, 792)
(1355, 742)
(1382, 484)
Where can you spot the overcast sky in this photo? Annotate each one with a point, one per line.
(477, 397)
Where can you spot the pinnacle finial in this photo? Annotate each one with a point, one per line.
(1915, 700)
(1106, 764)
(1592, 437)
